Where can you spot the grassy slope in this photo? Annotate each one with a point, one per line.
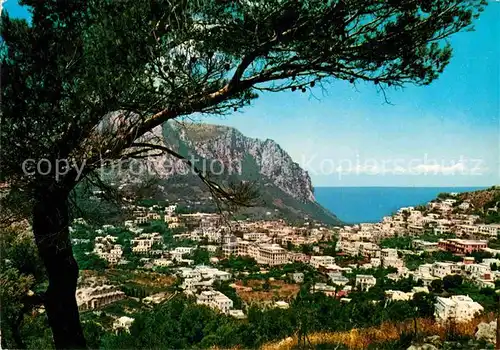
(482, 199)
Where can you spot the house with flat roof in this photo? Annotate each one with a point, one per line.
(462, 246)
(317, 261)
(215, 300)
(457, 308)
(96, 297)
(365, 282)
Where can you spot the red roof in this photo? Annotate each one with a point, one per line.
(342, 293)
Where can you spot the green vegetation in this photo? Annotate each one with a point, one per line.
(148, 203)
(486, 204)
(200, 256)
(413, 261)
(240, 263)
(160, 227)
(89, 261)
(397, 242)
(384, 283)
(125, 307)
(329, 248)
(492, 217)
(456, 285)
(444, 195)
(181, 324)
(83, 232)
(405, 242)
(21, 270)
(229, 292)
(96, 211)
(184, 210)
(485, 296)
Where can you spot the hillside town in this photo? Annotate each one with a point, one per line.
(208, 256)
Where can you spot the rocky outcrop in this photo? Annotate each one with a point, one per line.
(224, 152)
(487, 331)
(423, 347)
(429, 343)
(238, 153)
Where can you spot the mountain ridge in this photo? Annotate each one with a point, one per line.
(284, 187)
(227, 143)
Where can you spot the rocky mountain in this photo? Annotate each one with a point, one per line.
(484, 203)
(482, 200)
(285, 189)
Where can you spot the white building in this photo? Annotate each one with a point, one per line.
(449, 201)
(281, 304)
(490, 261)
(201, 277)
(338, 279)
(468, 229)
(425, 270)
(298, 277)
(207, 272)
(317, 261)
(389, 253)
(395, 295)
(95, 297)
(179, 252)
(272, 255)
(375, 262)
(237, 314)
(141, 220)
(144, 243)
(478, 271)
(107, 249)
(489, 230)
(216, 300)
(465, 205)
(162, 262)
(229, 245)
(457, 308)
(365, 282)
(254, 236)
(442, 269)
(124, 323)
(170, 210)
(424, 245)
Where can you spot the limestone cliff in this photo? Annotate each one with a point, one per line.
(285, 187)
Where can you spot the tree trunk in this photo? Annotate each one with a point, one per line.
(51, 229)
(16, 331)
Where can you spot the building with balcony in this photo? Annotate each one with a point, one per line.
(365, 282)
(462, 246)
(317, 261)
(107, 249)
(489, 230)
(144, 243)
(215, 300)
(95, 297)
(272, 255)
(457, 308)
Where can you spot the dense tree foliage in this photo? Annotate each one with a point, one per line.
(200, 256)
(412, 261)
(181, 324)
(21, 277)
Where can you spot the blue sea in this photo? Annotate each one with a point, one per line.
(354, 205)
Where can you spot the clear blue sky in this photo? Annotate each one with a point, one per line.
(446, 134)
